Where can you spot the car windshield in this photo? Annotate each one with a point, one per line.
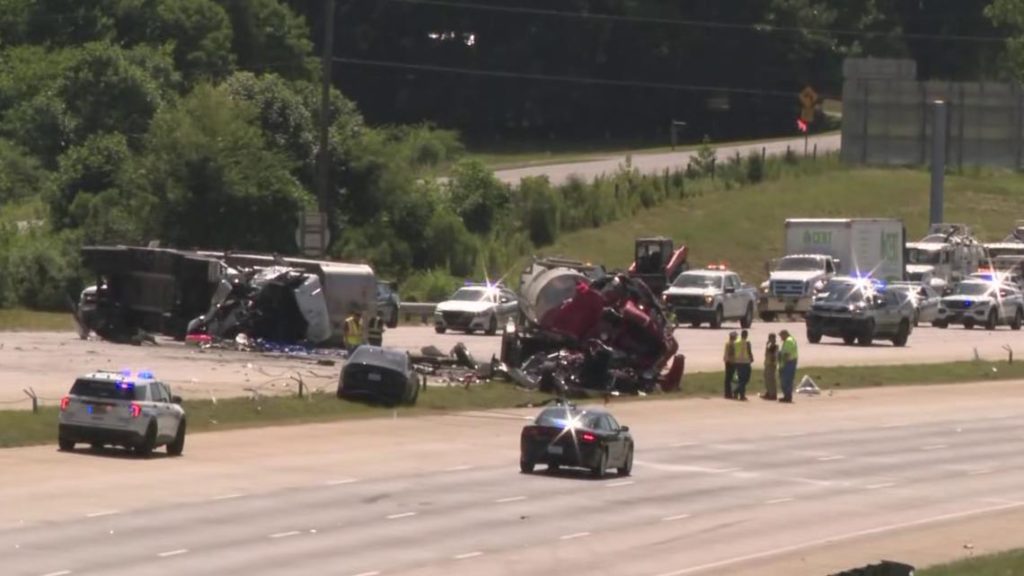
(801, 263)
(920, 256)
(469, 295)
(561, 418)
(698, 281)
(382, 357)
(108, 389)
(972, 289)
(842, 292)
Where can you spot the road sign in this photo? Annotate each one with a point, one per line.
(313, 236)
(808, 97)
(807, 115)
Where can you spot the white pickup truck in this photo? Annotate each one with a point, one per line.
(713, 296)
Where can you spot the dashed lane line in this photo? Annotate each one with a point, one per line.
(170, 553)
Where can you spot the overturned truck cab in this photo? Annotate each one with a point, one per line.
(580, 328)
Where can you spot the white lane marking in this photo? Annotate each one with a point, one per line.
(510, 499)
(468, 555)
(619, 484)
(103, 513)
(285, 534)
(779, 500)
(574, 536)
(882, 485)
(935, 447)
(899, 425)
(683, 468)
(840, 538)
(368, 574)
(173, 553)
(830, 458)
(457, 468)
(745, 474)
(810, 481)
(340, 482)
(226, 497)
(402, 515)
(979, 472)
(58, 573)
(682, 444)
(674, 518)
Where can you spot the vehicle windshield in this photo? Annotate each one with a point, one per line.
(108, 390)
(698, 281)
(972, 289)
(561, 418)
(801, 263)
(469, 295)
(842, 292)
(920, 256)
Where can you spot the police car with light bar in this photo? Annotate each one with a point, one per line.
(986, 300)
(476, 307)
(134, 411)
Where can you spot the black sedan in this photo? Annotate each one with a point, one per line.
(379, 375)
(564, 435)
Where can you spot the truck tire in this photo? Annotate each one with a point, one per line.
(440, 329)
(1018, 320)
(969, 323)
(902, 334)
(849, 339)
(813, 337)
(716, 322)
(767, 316)
(748, 319)
(695, 324)
(940, 324)
(992, 322)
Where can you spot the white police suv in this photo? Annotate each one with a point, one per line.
(136, 412)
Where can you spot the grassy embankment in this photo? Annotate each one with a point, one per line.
(22, 427)
(19, 319)
(744, 227)
(1004, 564)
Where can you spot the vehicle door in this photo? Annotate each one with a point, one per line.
(891, 310)
(160, 401)
(929, 304)
(609, 428)
(737, 300)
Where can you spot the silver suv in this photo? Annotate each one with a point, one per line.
(116, 408)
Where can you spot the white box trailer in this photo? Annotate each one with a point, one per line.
(816, 249)
(863, 246)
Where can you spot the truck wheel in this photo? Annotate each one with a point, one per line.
(145, 449)
(767, 317)
(492, 326)
(992, 321)
(849, 339)
(1018, 320)
(695, 324)
(440, 329)
(177, 446)
(813, 337)
(940, 324)
(716, 322)
(902, 335)
(748, 318)
(969, 324)
(65, 444)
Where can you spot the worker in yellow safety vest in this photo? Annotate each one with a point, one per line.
(375, 330)
(743, 358)
(787, 365)
(353, 330)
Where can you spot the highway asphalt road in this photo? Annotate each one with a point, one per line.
(27, 359)
(657, 162)
(718, 487)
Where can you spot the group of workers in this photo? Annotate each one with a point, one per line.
(780, 359)
(354, 337)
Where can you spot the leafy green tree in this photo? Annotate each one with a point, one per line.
(86, 170)
(202, 36)
(269, 36)
(1009, 14)
(476, 196)
(283, 114)
(21, 175)
(215, 180)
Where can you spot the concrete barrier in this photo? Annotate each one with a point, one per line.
(424, 311)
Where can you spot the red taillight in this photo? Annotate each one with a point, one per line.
(588, 437)
(136, 410)
(64, 403)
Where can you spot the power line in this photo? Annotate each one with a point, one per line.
(568, 79)
(763, 28)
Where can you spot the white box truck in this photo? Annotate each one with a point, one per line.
(816, 249)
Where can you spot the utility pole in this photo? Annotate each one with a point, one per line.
(324, 157)
(938, 108)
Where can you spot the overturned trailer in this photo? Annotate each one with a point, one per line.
(222, 294)
(580, 328)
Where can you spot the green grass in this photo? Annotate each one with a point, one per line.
(744, 227)
(23, 428)
(525, 154)
(21, 320)
(1004, 564)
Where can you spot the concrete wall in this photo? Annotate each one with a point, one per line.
(886, 120)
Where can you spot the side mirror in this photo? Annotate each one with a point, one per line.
(623, 428)
(176, 399)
